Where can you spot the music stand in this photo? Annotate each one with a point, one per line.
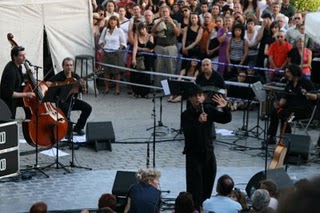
(261, 96)
(176, 87)
(55, 94)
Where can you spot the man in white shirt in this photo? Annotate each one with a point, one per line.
(221, 203)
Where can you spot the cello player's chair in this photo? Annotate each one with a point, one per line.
(85, 59)
(304, 123)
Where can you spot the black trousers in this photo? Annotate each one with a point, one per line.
(200, 173)
(78, 105)
(300, 112)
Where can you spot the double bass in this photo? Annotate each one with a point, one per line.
(44, 124)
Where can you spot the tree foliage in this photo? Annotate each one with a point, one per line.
(306, 5)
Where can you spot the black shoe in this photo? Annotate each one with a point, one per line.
(271, 140)
(78, 131)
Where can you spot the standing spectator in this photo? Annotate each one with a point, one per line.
(207, 26)
(102, 13)
(263, 34)
(196, 123)
(215, 11)
(270, 40)
(278, 55)
(237, 8)
(251, 7)
(295, 55)
(237, 50)
(287, 8)
(212, 47)
(184, 203)
(113, 39)
(110, 10)
(268, 8)
(224, 35)
(281, 19)
(145, 195)
(166, 45)
(293, 32)
(204, 10)
(221, 203)
(191, 38)
(148, 17)
(251, 36)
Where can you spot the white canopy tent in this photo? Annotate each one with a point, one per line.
(312, 26)
(68, 24)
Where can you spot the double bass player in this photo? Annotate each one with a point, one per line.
(11, 89)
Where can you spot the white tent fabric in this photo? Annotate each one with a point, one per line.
(312, 26)
(68, 24)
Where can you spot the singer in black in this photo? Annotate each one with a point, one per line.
(196, 123)
(12, 79)
(294, 101)
(76, 104)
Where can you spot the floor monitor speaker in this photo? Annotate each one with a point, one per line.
(122, 182)
(278, 176)
(100, 134)
(298, 148)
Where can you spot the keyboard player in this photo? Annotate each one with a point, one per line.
(293, 100)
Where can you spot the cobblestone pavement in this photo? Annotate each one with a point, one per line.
(130, 118)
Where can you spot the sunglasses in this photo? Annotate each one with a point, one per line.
(279, 36)
(184, 10)
(297, 18)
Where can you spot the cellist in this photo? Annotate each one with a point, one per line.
(12, 79)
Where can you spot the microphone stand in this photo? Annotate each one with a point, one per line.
(36, 165)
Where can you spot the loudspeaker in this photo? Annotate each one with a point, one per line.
(122, 183)
(100, 134)
(298, 147)
(278, 176)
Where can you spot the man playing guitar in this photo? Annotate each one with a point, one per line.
(76, 105)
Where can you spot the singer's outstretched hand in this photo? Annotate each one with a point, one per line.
(219, 99)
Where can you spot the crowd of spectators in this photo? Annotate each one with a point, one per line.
(252, 33)
(145, 196)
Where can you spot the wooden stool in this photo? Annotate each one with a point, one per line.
(83, 73)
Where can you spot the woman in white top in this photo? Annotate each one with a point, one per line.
(113, 39)
(251, 36)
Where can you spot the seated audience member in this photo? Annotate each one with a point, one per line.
(144, 196)
(238, 196)
(221, 203)
(191, 70)
(184, 203)
(39, 207)
(107, 201)
(303, 199)
(260, 200)
(272, 188)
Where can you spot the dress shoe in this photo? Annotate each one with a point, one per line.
(78, 131)
(271, 140)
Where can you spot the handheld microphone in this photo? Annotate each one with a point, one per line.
(201, 108)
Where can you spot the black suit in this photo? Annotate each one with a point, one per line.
(11, 81)
(201, 167)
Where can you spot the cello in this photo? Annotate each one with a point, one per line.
(44, 124)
